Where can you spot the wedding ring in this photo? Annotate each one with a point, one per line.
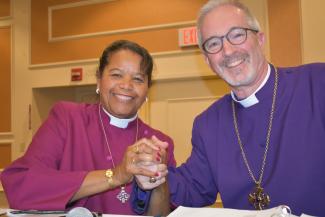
(152, 180)
(136, 150)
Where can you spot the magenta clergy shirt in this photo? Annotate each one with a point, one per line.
(68, 145)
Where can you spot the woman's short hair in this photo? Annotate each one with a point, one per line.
(146, 64)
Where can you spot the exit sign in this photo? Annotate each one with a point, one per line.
(187, 36)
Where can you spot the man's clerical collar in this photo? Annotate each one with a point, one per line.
(119, 122)
(252, 99)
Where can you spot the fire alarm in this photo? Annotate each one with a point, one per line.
(76, 74)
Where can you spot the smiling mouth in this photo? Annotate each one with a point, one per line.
(232, 64)
(124, 98)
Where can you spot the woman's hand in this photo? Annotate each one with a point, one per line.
(150, 182)
(136, 161)
(142, 159)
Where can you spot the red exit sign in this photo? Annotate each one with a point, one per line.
(187, 36)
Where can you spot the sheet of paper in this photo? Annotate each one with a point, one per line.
(3, 211)
(112, 215)
(221, 212)
(9, 214)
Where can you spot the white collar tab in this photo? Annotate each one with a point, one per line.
(119, 122)
(252, 99)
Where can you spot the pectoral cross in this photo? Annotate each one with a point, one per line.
(258, 198)
(123, 196)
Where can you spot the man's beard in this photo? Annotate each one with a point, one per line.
(225, 69)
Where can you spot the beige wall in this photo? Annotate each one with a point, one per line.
(285, 29)
(313, 31)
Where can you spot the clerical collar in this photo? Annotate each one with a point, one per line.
(119, 122)
(252, 99)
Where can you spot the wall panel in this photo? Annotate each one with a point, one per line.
(5, 154)
(285, 32)
(313, 31)
(4, 8)
(174, 105)
(76, 19)
(5, 78)
(159, 15)
(180, 117)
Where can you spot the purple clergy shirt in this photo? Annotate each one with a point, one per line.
(68, 145)
(295, 166)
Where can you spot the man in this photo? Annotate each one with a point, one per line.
(263, 144)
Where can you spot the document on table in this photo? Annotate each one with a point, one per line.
(3, 211)
(35, 213)
(222, 212)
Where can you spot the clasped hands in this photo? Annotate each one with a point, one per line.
(146, 161)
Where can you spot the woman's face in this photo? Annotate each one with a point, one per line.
(123, 86)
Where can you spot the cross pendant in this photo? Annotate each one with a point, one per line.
(258, 198)
(123, 196)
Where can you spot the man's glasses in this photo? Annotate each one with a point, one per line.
(235, 36)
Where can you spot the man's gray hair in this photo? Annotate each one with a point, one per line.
(212, 4)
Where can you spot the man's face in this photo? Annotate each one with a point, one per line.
(239, 65)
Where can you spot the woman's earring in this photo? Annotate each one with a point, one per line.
(97, 90)
(146, 99)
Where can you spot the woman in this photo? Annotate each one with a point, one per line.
(87, 154)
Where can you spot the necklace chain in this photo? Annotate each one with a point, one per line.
(123, 196)
(105, 136)
(259, 181)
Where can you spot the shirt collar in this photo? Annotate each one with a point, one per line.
(252, 99)
(120, 122)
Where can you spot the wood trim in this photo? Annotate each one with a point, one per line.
(6, 137)
(69, 5)
(122, 31)
(95, 60)
(113, 31)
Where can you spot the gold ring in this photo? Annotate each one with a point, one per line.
(137, 149)
(152, 180)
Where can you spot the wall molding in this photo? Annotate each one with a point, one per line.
(112, 32)
(189, 99)
(65, 6)
(6, 137)
(95, 60)
(123, 31)
(6, 18)
(5, 23)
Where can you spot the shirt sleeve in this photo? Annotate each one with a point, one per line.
(36, 180)
(140, 199)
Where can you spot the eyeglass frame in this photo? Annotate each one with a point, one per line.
(226, 36)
